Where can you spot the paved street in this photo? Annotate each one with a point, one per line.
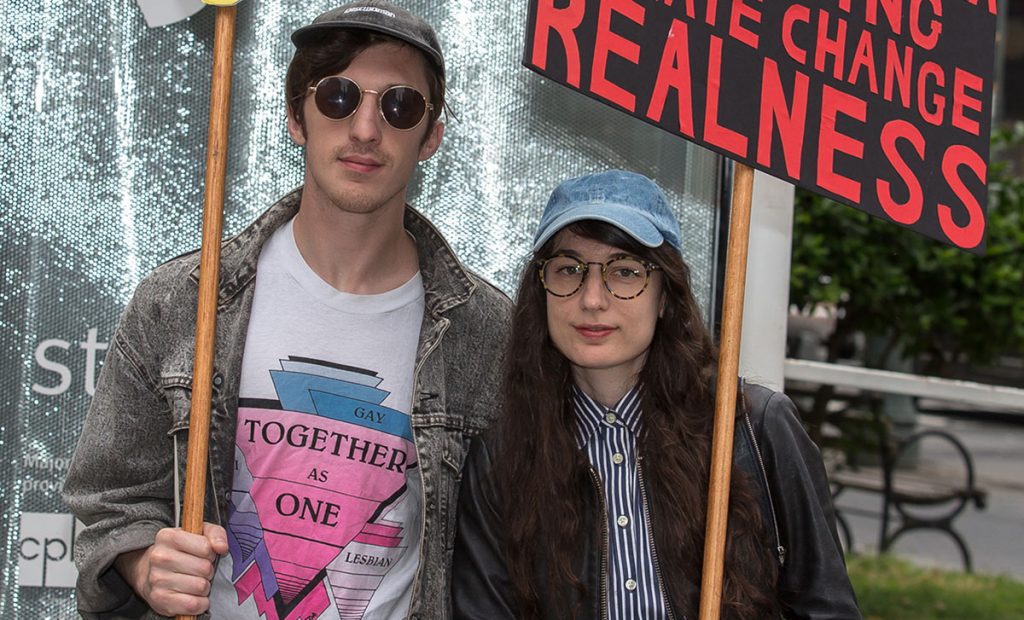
(994, 535)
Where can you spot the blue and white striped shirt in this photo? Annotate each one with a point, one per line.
(608, 436)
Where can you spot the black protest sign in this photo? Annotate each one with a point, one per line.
(884, 105)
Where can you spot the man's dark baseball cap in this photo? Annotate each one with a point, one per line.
(379, 16)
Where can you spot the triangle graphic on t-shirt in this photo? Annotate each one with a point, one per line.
(315, 479)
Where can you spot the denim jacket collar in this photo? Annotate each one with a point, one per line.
(445, 280)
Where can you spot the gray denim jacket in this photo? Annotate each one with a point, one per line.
(129, 466)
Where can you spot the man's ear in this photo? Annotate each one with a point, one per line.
(432, 141)
(295, 128)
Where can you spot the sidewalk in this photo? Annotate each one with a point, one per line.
(994, 535)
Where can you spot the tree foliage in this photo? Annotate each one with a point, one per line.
(926, 299)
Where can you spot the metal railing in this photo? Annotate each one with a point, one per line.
(1005, 399)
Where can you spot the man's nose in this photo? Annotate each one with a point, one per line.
(366, 119)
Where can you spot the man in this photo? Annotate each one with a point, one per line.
(355, 359)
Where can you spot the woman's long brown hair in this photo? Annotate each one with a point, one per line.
(543, 474)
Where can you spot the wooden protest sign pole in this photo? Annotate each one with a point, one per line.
(725, 398)
(209, 272)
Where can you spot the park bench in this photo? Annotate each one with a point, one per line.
(912, 498)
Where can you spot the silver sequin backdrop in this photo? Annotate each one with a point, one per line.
(103, 124)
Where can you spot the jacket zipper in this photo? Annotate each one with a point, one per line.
(650, 538)
(605, 544)
(779, 549)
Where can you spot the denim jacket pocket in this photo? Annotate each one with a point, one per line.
(451, 464)
(442, 445)
(177, 391)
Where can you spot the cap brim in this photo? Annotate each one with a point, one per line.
(304, 34)
(641, 229)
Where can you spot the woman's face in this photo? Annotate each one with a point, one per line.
(604, 338)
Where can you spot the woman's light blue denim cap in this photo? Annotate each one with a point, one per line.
(627, 200)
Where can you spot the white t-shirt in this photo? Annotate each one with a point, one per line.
(325, 513)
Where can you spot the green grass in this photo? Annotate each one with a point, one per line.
(892, 589)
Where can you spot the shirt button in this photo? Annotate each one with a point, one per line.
(609, 417)
(623, 521)
(617, 458)
(631, 584)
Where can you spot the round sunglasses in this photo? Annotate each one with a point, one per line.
(402, 107)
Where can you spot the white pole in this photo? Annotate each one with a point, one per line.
(763, 347)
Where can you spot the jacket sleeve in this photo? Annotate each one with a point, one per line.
(120, 481)
(481, 589)
(813, 583)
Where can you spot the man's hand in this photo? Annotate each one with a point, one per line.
(173, 575)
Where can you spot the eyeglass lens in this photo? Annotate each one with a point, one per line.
(402, 107)
(624, 277)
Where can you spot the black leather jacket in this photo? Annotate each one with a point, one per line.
(812, 583)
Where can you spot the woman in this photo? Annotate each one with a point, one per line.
(588, 500)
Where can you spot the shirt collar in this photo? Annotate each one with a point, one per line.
(591, 415)
(446, 283)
